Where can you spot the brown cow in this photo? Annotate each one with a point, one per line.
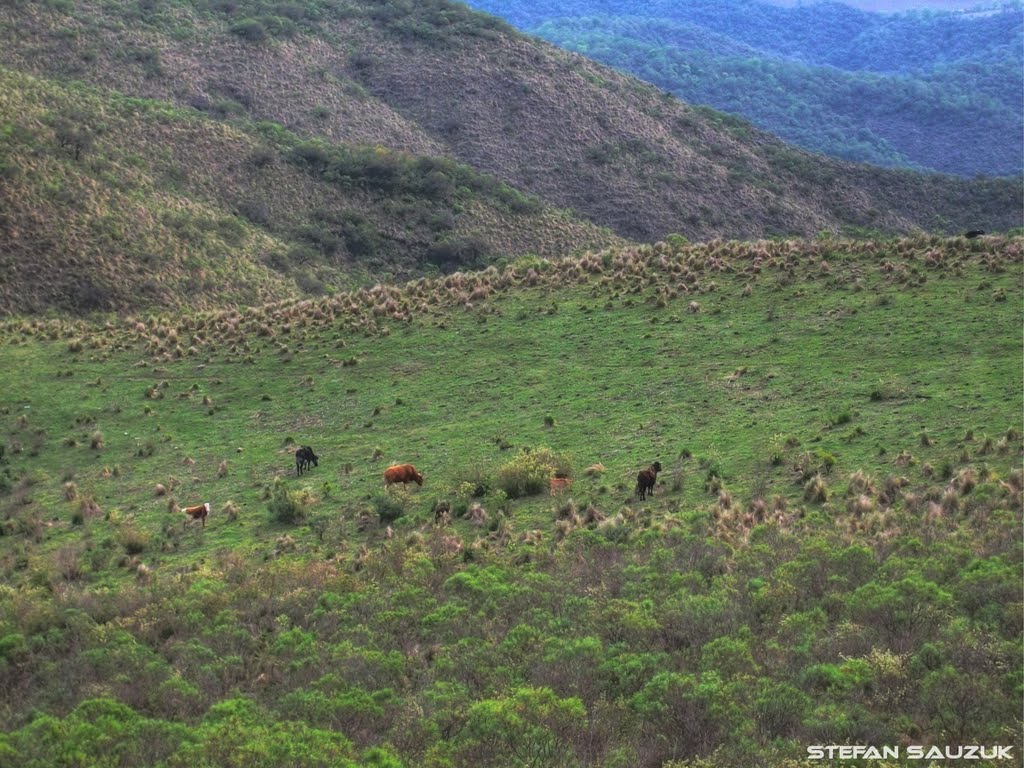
(402, 473)
(645, 480)
(559, 483)
(198, 512)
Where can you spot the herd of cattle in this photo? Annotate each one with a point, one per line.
(306, 459)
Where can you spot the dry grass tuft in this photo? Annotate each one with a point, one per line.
(230, 511)
(816, 490)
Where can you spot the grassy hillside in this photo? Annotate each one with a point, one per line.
(836, 525)
(115, 203)
(940, 91)
(437, 79)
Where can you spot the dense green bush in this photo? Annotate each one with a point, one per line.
(251, 30)
(530, 472)
(287, 506)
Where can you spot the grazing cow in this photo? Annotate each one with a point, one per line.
(973, 233)
(402, 473)
(198, 512)
(304, 457)
(645, 480)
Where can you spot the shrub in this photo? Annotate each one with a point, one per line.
(389, 507)
(530, 472)
(287, 506)
(250, 30)
(133, 540)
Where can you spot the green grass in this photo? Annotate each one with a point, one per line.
(846, 365)
(626, 385)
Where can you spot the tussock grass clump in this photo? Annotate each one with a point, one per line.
(816, 490)
(230, 511)
(950, 501)
(965, 480)
(860, 506)
(477, 515)
(391, 504)
(88, 507)
(134, 540)
(592, 515)
(905, 459)
(861, 483)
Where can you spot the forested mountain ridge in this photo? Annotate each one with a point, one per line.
(437, 79)
(940, 91)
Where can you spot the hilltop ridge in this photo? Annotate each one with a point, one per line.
(438, 79)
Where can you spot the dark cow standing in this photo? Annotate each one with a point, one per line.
(973, 233)
(304, 458)
(645, 480)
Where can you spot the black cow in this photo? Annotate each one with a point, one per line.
(973, 233)
(304, 459)
(645, 480)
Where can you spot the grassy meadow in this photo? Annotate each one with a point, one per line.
(836, 526)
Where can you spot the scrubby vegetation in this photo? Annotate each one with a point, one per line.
(162, 206)
(731, 619)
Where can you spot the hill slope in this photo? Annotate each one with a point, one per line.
(438, 79)
(940, 91)
(114, 203)
(836, 526)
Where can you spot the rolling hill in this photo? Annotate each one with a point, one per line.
(450, 140)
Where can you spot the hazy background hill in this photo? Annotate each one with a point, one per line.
(198, 151)
(935, 90)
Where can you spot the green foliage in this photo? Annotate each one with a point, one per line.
(237, 733)
(285, 505)
(530, 472)
(250, 30)
(389, 506)
(532, 726)
(97, 732)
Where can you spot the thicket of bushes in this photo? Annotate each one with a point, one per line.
(673, 646)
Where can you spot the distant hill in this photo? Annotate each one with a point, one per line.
(940, 91)
(247, 151)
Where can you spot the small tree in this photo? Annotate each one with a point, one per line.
(72, 134)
